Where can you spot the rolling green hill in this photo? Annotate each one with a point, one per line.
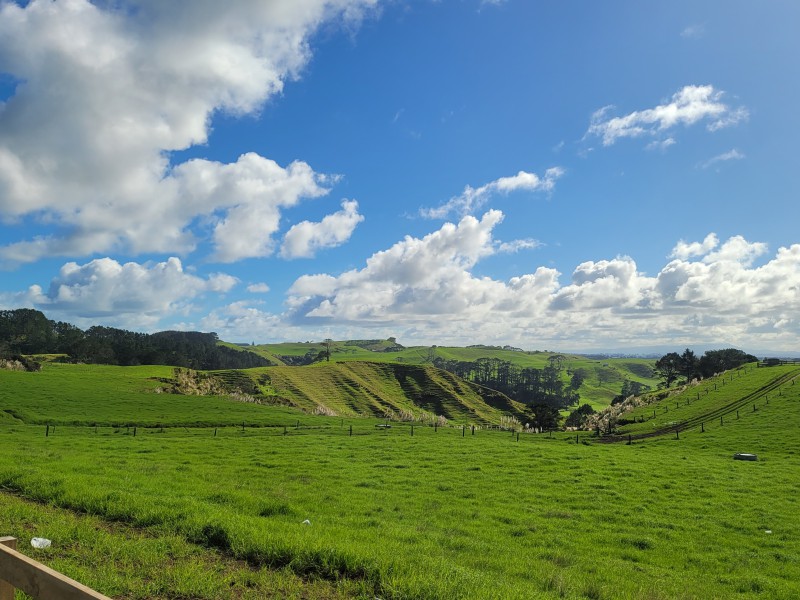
(603, 377)
(120, 396)
(705, 404)
(377, 389)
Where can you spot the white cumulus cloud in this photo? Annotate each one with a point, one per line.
(684, 250)
(108, 90)
(129, 294)
(690, 105)
(305, 238)
(428, 289)
(258, 288)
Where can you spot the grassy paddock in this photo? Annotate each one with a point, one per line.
(119, 396)
(441, 514)
(438, 515)
(131, 563)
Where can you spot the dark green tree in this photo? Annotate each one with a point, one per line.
(578, 377)
(668, 367)
(578, 416)
(688, 364)
(544, 416)
(717, 361)
(630, 388)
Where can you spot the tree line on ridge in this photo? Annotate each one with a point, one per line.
(26, 331)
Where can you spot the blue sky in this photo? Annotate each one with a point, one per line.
(560, 175)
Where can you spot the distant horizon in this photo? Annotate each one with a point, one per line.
(623, 175)
(632, 351)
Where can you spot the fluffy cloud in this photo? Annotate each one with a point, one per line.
(472, 199)
(258, 288)
(426, 289)
(107, 90)
(684, 250)
(690, 105)
(417, 279)
(124, 294)
(242, 322)
(304, 239)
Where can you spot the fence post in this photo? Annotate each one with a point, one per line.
(351, 431)
(47, 431)
(463, 430)
(6, 589)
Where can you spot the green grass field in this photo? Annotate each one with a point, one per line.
(440, 514)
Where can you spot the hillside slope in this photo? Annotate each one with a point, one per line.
(378, 389)
(696, 407)
(603, 377)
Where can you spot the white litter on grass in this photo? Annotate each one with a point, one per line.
(306, 522)
(768, 531)
(40, 542)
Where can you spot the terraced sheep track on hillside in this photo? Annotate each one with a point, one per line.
(720, 412)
